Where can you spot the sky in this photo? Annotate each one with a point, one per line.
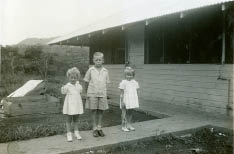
(21, 19)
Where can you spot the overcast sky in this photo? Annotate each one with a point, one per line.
(20, 19)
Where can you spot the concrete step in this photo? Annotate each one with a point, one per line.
(58, 144)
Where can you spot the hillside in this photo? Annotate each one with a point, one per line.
(35, 41)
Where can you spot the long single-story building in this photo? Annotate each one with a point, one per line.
(182, 52)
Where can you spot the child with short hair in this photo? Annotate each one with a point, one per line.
(96, 79)
(128, 98)
(73, 105)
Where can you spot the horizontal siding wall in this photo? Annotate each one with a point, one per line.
(199, 86)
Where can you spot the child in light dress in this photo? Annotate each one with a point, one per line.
(73, 105)
(128, 98)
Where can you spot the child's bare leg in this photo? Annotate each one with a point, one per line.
(123, 116)
(124, 119)
(99, 126)
(68, 123)
(94, 115)
(100, 116)
(129, 116)
(76, 122)
(76, 130)
(129, 119)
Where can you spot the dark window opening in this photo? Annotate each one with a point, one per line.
(195, 38)
(111, 43)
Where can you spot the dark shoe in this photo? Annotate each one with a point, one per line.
(95, 133)
(100, 132)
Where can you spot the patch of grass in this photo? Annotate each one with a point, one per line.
(21, 132)
(34, 126)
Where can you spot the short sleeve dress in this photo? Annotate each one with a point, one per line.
(73, 103)
(130, 93)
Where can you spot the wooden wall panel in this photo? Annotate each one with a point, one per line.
(195, 85)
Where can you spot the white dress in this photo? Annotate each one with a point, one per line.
(130, 93)
(73, 103)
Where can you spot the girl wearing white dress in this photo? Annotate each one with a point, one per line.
(73, 105)
(128, 98)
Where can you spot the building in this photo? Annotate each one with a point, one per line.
(182, 52)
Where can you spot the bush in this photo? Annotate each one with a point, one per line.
(12, 62)
(38, 61)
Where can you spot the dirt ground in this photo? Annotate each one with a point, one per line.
(35, 126)
(202, 141)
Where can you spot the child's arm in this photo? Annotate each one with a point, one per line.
(86, 79)
(121, 87)
(137, 88)
(64, 89)
(81, 89)
(107, 78)
(122, 98)
(85, 88)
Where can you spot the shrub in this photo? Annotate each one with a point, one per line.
(37, 60)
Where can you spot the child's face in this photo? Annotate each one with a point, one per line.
(129, 77)
(73, 78)
(98, 61)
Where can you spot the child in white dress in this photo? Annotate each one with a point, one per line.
(73, 105)
(128, 98)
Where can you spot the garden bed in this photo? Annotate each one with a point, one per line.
(206, 140)
(34, 126)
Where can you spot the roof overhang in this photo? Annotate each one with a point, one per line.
(151, 9)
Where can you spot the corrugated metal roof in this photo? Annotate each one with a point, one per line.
(147, 10)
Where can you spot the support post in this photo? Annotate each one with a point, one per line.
(163, 56)
(1, 86)
(223, 35)
(126, 47)
(0, 65)
(146, 45)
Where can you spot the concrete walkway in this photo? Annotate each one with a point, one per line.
(177, 121)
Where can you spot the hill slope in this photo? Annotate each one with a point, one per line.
(35, 41)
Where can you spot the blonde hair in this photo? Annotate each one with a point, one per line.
(98, 54)
(73, 70)
(129, 71)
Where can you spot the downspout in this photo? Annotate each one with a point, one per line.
(229, 106)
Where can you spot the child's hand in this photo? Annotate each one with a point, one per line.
(123, 105)
(64, 84)
(84, 95)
